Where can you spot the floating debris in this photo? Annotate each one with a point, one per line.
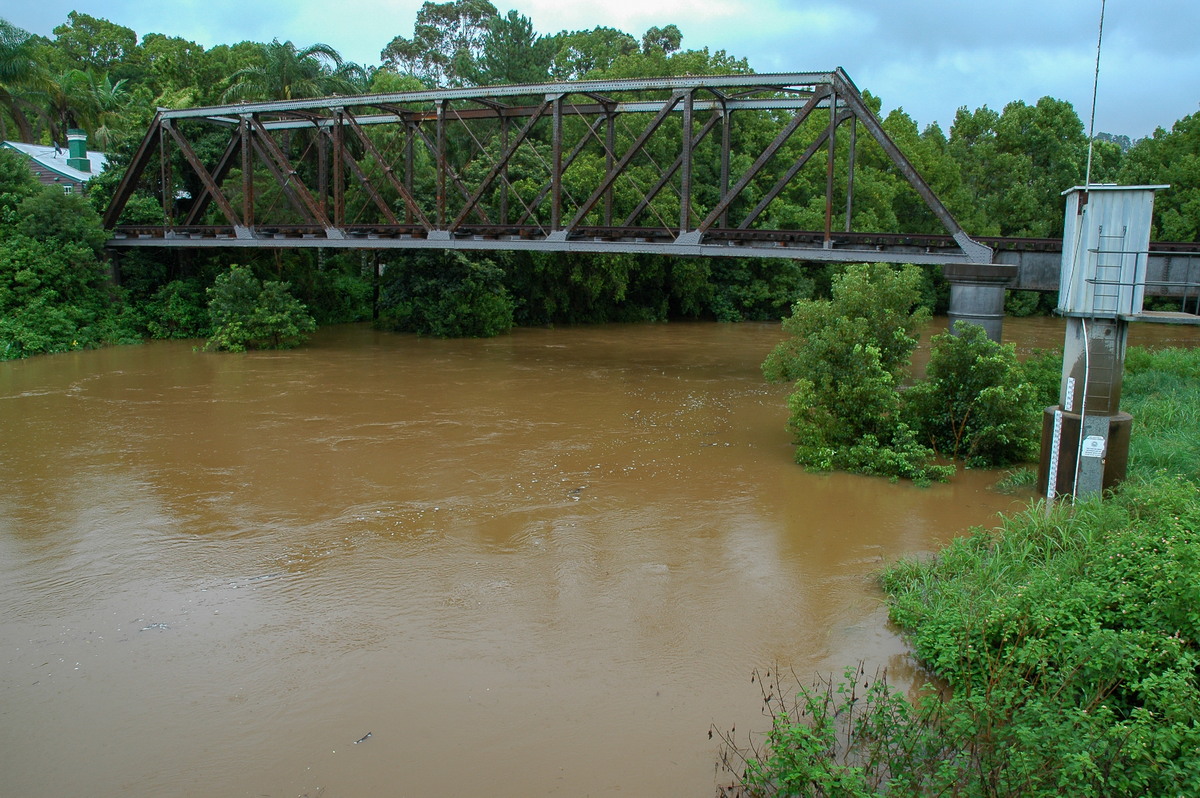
(362, 739)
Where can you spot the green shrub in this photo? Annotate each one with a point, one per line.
(973, 404)
(447, 295)
(846, 356)
(55, 296)
(1070, 638)
(249, 314)
(178, 310)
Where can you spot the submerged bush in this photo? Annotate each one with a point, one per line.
(249, 314)
(447, 295)
(973, 404)
(846, 356)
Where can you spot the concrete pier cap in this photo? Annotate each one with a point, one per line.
(977, 294)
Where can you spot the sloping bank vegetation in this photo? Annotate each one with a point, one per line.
(1067, 637)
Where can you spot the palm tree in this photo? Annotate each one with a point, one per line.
(20, 73)
(285, 73)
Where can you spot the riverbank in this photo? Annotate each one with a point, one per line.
(1069, 637)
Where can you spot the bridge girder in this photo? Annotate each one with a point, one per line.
(547, 167)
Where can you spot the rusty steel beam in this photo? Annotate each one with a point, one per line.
(767, 154)
(218, 175)
(769, 197)
(499, 166)
(794, 82)
(210, 185)
(670, 172)
(629, 155)
(567, 162)
(133, 173)
(388, 173)
(245, 134)
(286, 175)
(372, 193)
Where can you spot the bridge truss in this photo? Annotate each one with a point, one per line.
(675, 166)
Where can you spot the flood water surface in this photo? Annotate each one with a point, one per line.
(541, 564)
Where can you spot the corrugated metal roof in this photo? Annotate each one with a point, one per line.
(57, 161)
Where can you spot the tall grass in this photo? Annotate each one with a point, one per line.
(1162, 393)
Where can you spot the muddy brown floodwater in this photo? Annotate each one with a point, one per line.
(541, 564)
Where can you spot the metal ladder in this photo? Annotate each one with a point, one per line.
(1106, 285)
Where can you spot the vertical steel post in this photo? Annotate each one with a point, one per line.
(610, 145)
(504, 173)
(726, 135)
(441, 164)
(556, 167)
(168, 192)
(409, 156)
(247, 172)
(323, 171)
(685, 170)
(339, 168)
(850, 171)
(833, 101)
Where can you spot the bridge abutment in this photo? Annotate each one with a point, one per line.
(977, 294)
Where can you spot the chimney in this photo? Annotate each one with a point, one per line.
(77, 150)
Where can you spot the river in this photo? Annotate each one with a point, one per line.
(541, 564)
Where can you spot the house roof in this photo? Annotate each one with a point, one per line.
(57, 162)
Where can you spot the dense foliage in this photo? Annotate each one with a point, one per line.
(446, 294)
(848, 357)
(975, 402)
(248, 313)
(1070, 638)
(55, 294)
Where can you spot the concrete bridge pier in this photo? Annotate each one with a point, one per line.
(977, 294)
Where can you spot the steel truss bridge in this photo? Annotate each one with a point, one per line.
(568, 167)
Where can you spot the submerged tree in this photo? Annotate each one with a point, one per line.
(447, 295)
(249, 314)
(846, 356)
(974, 404)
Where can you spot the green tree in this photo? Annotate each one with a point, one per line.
(1171, 158)
(577, 54)
(1016, 164)
(88, 100)
(180, 70)
(21, 74)
(54, 290)
(446, 294)
(94, 43)
(510, 53)
(666, 39)
(447, 42)
(974, 404)
(846, 356)
(249, 314)
(284, 72)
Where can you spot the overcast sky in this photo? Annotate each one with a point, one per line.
(928, 57)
